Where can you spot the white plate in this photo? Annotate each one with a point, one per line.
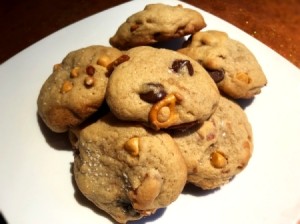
(36, 181)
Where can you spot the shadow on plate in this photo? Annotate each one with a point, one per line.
(151, 218)
(58, 141)
(244, 102)
(82, 200)
(61, 141)
(2, 219)
(174, 44)
(197, 191)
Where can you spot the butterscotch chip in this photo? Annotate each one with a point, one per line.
(219, 149)
(132, 146)
(157, 22)
(74, 72)
(67, 86)
(76, 89)
(104, 61)
(218, 159)
(230, 63)
(126, 170)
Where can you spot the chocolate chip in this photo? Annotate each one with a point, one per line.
(178, 64)
(152, 92)
(185, 126)
(216, 75)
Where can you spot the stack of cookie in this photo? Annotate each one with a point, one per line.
(144, 121)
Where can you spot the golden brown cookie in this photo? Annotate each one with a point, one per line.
(161, 88)
(229, 62)
(126, 170)
(157, 22)
(219, 149)
(76, 88)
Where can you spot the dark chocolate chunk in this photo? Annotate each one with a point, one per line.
(152, 92)
(180, 64)
(216, 75)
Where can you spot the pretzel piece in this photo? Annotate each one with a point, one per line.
(170, 102)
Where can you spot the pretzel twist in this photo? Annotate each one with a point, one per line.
(170, 102)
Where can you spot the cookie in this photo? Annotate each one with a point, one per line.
(156, 23)
(230, 63)
(76, 88)
(161, 88)
(218, 149)
(126, 170)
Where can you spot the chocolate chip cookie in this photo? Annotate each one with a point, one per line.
(156, 23)
(218, 149)
(126, 170)
(161, 88)
(229, 62)
(76, 88)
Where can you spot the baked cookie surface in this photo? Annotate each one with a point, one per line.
(219, 149)
(126, 170)
(157, 22)
(76, 88)
(230, 63)
(161, 88)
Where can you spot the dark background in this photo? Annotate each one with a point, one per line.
(274, 22)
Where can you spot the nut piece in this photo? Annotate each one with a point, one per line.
(75, 72)
(89, 81)
(67, 86)
(169, 101)
(132, 146)
(218, 160)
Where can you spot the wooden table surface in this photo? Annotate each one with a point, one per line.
(274, 22)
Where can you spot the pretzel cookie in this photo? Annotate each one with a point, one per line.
(126, 170)
(229, 62)
(161, 88)
(157, 22)
(76, 88)
(219, 149)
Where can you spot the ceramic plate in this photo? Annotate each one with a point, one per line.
(36, 180)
